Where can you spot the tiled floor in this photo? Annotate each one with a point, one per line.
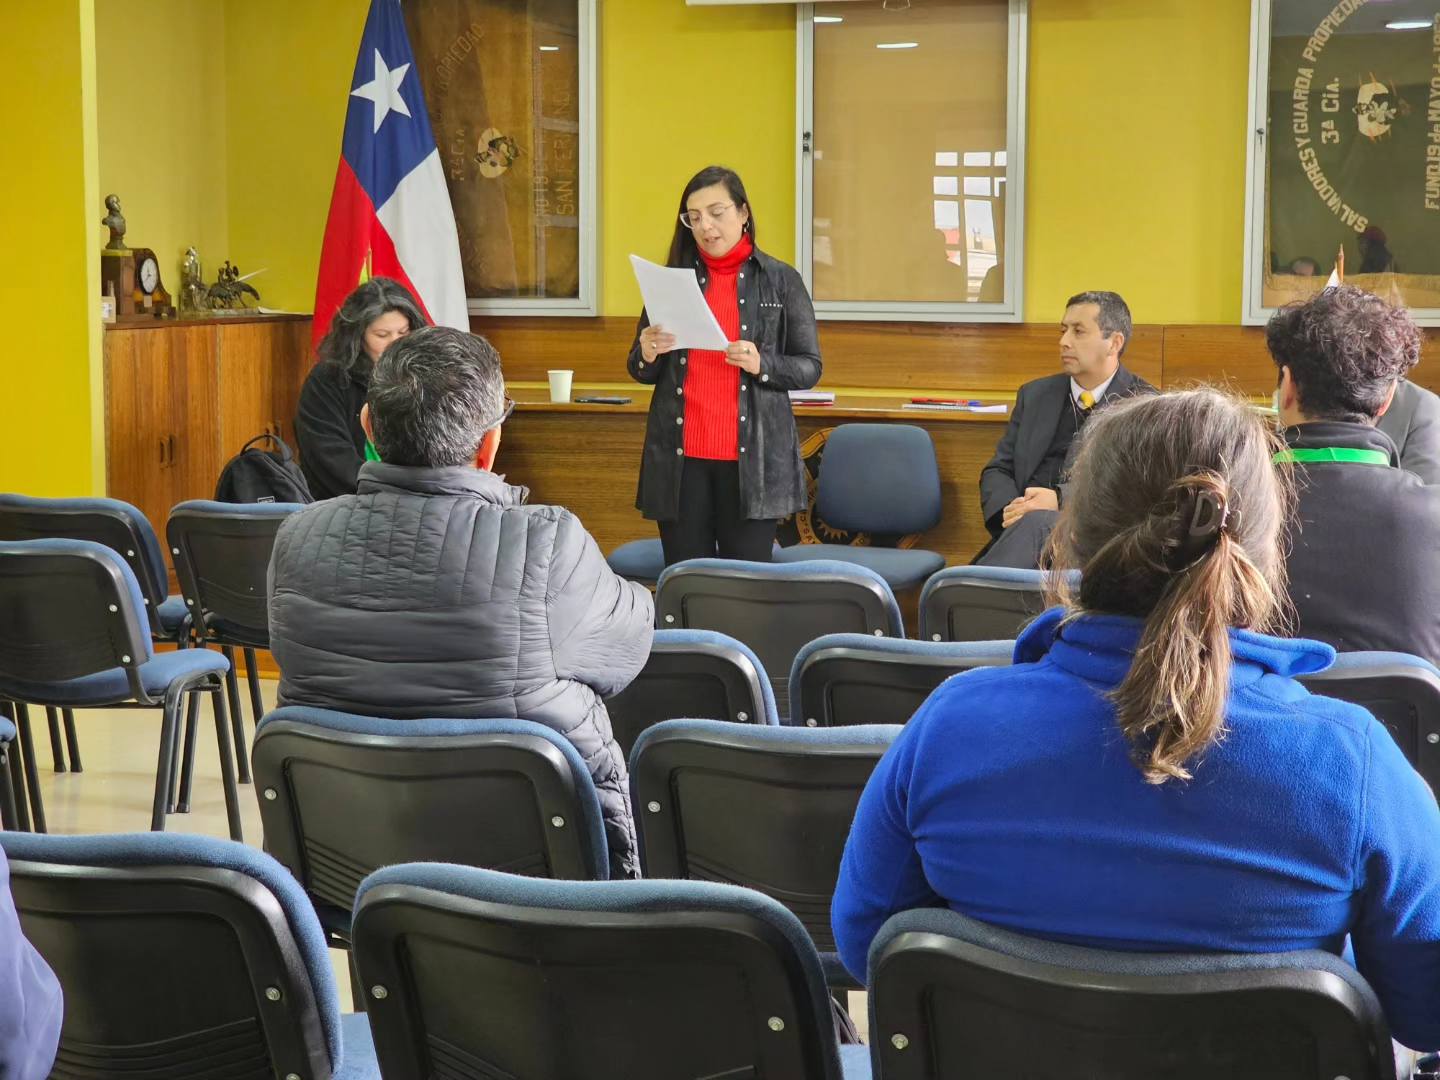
(118, 750)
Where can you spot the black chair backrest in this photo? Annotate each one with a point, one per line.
(222, 554)
(767, 808)
(948, 1003)
(979, 603)
(171, 971)
(632, 980)
(776, 609)
(842, 680)
(115, 524)
(71, 608)
(696, 674)
(1403, 693)
(339, 800)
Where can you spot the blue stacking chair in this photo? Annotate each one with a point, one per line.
(776, 608)
(343, 795)
(950, 996)
(222, 556)
(183, 956)
(844, 679)
(881, 479)
(76, 638)
(699, 674)
(1401, 691)
(619, 980)
(638, 560)
(122, 528)
(981, 603)
(766, 808)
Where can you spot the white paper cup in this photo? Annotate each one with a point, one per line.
(560, 385)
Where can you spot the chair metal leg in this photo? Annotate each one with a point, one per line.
(72, 740)
(8, 815)
(237, 722)
(32, 772)
(227, 768)
(57, 752)
(357, 988)
(164, 765)
(252, 675)
(15, 775)
(187, 757)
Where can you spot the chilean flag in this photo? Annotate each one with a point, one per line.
(390, 200)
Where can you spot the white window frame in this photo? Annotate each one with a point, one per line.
(1253, 310)
(587, 303)
(1012, 310)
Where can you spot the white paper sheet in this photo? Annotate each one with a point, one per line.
(673, 300)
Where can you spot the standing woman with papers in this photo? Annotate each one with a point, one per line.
(721, 463)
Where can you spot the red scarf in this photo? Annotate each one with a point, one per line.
(712, 386)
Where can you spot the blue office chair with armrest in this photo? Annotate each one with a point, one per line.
(776, 608)
(638, 560)
(768, 808)
(1401, 691)
(844, 679)
(698, 674)
(343, 795)
(950, 996)
(125, 530)
(981, 603)
(183, 956)
(656, 980)
(76, 637)
(222, 556)
(880, 479)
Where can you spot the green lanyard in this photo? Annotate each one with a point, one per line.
(1336, 453)
(371, 454)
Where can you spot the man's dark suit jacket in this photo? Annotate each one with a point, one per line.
(1027, 437)
(1364, 562)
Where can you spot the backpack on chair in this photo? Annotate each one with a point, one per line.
(263, 476)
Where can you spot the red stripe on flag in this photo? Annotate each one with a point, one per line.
(385, 262)
(348, 232)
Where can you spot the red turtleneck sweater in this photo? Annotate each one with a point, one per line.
(712, 387)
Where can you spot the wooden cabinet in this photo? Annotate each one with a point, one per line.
(182, 398)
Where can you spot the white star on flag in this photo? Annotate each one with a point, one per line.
(384, 91)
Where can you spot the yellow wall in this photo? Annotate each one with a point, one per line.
(52, 438)
(288, 68)
(163, 117)
(1136, 156)
(682, 88)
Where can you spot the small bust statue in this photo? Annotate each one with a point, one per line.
(115, 222)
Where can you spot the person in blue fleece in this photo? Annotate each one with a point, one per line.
(1149, 775)
(31, 1005)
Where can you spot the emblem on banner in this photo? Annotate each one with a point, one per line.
(496, 153)
(1377, 107)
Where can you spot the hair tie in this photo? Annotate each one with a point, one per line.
(1201, 515)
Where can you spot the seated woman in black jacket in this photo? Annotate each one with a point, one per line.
(332, 444)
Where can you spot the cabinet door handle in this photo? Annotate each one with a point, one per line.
(162, 452)
(172, 449)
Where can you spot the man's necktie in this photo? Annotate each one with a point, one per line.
(1087, 399)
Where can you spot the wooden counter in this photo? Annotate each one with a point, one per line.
(587, 457)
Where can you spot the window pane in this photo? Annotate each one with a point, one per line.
(885, 121)
(502, 82)
(1353, 150)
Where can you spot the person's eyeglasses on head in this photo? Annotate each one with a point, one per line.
(504, 415)
(693, 218)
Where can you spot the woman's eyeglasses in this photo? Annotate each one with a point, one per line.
(692, 218)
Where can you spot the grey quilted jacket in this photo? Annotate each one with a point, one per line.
(438, 593)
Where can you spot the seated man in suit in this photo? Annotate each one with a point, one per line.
(1021, 487)
(1413, 424)
(1364, 565)
(436, 591)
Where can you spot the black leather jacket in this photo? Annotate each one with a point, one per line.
(777, 315)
